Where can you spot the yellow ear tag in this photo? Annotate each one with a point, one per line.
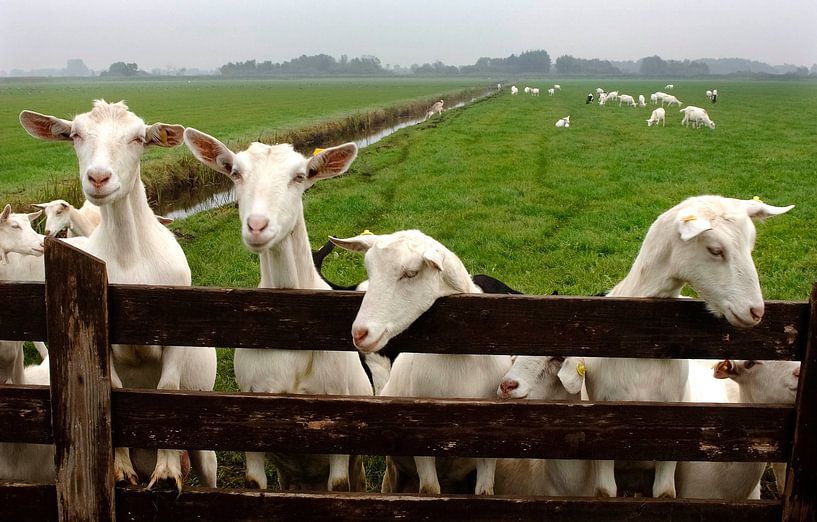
(581, 369)
(366, 233)
(163, 136)
(317, 151)
(757, 198)
(687, 219)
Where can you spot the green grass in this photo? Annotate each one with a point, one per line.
(230, 109)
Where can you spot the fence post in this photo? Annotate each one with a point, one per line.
(76, 297)
(800, 496)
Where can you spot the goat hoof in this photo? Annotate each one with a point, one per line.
(252, 484)
(667, 494)
(165, 483)
(122, 477)
(604, 493)
(339, 485)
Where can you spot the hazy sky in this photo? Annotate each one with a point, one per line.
(208, 33)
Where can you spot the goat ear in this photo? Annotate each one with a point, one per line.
(34, 215)
(725, 369)
(209, 151)
(164, 220)
(571, 374)
(759, 210)
(434, 258)
(164, 135)
(691, 225)
(355, 244)
(40, 206)
(44, 127)
(331, 162)
(6, 213)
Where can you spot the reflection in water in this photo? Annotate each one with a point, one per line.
(208, 198)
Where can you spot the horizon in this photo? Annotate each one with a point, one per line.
(203, 35)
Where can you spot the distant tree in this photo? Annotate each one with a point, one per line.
(653, 66)
(76, 67)
(122, 69)
(567, 64)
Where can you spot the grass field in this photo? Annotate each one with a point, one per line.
(231, 109)
(549, 209)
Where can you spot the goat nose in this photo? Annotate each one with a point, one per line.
(99, 176)
(757, 313)
(257, 224)
(508, 385)
(359, 333)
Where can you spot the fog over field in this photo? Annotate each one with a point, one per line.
(206, 33)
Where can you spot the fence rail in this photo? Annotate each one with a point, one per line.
(79, 314)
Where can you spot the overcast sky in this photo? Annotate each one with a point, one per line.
(208, 33)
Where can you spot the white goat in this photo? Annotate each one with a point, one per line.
(654, 98)
(709, 94)
(612, 96)
(563, 123)
(534, 91)
(109, 142)
(657, 115)
(20, 247)
(599, 90)
(499, 86)
(557, 87)
(437, 108)
(527, 90)
(551, 91)
(757, 382)
(696, 117)
(602, 99)
(642, 102)
(408, 271)
(626, 98)
(514, 90)
(705, 242)
(552, 379)
(269, 183)
(60, 214)
(669, 87)
(670, 100)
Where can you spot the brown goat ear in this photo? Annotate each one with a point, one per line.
(44, 127)
(331, 162)
(164, 135)
(209, 151)
(725, 369)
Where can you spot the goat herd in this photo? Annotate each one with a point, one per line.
(695, 117)
(704, 241)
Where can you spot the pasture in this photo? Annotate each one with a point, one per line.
(236, 109)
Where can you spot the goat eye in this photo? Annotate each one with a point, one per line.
(299, 178)
(75, 136)
(749, 364)
(139, 140)
(408, 274)
(15, 225)
(235, 175)
(715, 251)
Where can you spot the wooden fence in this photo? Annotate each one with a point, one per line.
(79, 314)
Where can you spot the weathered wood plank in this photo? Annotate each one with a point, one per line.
(459, 324)
(25, 414)
(25, 321)
(197, 504)
(77, 315)
(800, 496)
(248, 421)
(298, 319)
(24, 501)
(380, 426)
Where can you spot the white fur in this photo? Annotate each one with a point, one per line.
(269, 183)
(658, 115)
(109, 142)
(642, 102)
(551, 91)
(60, 214)
(514, 90)
(534, 92)
(696, 117)
(408, 271)
(563, 122)
(557, 87)
(763, 382)
(626, 98)
(705, 242)
(669, 87)
(437, 108)
(553, 379)
(670, 100)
